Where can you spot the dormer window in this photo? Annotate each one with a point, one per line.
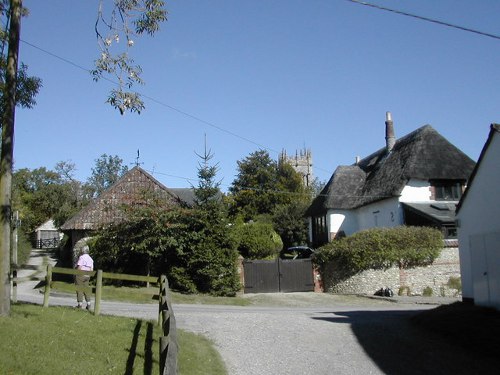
(447, 190)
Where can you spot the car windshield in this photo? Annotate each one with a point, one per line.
(296, 252)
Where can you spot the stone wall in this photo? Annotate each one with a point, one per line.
(435, 276)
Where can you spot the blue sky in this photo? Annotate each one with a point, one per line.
(274, 74)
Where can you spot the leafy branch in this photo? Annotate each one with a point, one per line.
(126, 20)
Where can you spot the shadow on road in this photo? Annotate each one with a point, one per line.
(399, 347)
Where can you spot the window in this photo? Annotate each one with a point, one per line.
(447, 190)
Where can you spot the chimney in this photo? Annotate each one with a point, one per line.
(390, 140)
(358, 159)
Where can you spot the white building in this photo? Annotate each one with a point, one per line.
(478, 221)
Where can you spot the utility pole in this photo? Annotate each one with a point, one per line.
(7, 154)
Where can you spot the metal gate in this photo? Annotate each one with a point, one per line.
(272, 276)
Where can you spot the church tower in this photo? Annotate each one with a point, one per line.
(301, 162)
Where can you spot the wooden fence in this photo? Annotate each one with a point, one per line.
(166, 318)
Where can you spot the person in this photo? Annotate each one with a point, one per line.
(84, 263)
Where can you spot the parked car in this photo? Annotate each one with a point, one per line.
(296, 252)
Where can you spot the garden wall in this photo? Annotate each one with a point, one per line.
(435, 276)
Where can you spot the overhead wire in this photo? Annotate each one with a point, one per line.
(422, 18)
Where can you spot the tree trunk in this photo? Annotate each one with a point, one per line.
(6, 156)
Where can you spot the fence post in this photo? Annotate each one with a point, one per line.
(98, 293)
(14, 285)
(48, 281)
(168, 342)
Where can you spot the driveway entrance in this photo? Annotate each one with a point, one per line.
(272, 276)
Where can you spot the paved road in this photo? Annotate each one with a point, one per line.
(337, 335)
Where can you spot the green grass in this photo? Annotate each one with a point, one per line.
(60, 340)
(147, 295)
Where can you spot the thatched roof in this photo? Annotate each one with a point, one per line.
(129, 189)
(423, 154)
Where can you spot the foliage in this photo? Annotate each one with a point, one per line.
(193, 246)
(108, 169)
(214, 254)
(27, 87)
(26, 91)
(290, 223)
(258, 240)
(138, 244)
(404, 290)
(455, 283)
(39, 195)
(262, 184)
(23, 248)
(381, 248)
(427, 292)
(207, 194)
(126, 20)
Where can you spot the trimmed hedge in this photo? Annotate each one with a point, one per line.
(382, 248)
(258, 241)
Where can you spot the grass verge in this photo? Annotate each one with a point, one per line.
(60, 340)
(147, 295)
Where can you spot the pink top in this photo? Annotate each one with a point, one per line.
(85, 263)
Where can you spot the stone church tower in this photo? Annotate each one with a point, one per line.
(301, 162)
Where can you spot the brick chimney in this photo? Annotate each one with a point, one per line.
(390, 140)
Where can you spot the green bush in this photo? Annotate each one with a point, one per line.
(258, 240)
(404, 291)
(382, 248)
(23, 248)
(427, 292)
(455, 283)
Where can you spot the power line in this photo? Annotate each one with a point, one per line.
(422, 18)
(184, 113)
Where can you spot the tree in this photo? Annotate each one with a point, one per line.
(43, 194)
(290, 223)
(213, 259)
(148, 238)
(262, 184)
(7, 154)
(108, 169)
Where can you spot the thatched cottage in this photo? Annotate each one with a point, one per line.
(415, 180)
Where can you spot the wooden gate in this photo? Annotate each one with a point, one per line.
(273, 276)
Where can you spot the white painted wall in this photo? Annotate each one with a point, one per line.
(342, 220)
(478, 218)
(386, 213)
(416, 191)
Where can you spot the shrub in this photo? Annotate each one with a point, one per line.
(455, 283)
(23, 248)
(258, 240)
(427, 292)
(382, 248)
(404, 290)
